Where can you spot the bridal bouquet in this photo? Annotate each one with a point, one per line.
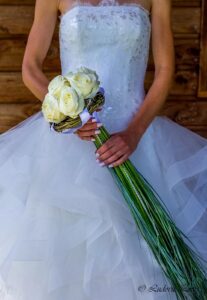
(70, 102)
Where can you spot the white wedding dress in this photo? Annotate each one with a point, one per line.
(66, 232)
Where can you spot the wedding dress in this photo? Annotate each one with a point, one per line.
(65, 229)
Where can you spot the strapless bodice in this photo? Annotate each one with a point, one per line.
(113, 40)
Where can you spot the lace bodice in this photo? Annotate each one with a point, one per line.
(113, 40)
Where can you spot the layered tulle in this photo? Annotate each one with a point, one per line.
(65, 230)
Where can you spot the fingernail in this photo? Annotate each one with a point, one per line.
(93, 120)
(97, 131)
(97, 160)
(93, 139)
(102, 164)
(97, 154)
(99, 125)
(110, 166)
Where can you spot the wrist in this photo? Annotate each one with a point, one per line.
(135, 129)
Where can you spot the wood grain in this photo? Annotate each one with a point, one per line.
(13, 114)
(186, 113)
(13, 89)
(186, 54)
(17, 20)
(185, 84)
(202, 87)
(186, 3)
(12, 51)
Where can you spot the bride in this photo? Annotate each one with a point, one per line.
(65, 229)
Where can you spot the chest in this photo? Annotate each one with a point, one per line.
(125, 25)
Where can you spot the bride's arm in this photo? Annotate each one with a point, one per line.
(38, 43)
(118, 148)
(163, 53)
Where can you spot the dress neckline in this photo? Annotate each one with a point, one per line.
(86, 5)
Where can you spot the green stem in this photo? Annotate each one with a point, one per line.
(180, 264)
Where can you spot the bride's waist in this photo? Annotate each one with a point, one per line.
(116, 120)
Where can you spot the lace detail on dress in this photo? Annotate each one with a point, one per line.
(104, 3)
(114, 41)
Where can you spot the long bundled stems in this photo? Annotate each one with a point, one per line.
(180, 263)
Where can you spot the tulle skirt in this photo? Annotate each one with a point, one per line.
(65, 229)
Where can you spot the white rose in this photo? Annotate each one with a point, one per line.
(71, 104)
(56, 84)
(84, 81)
(50, 109)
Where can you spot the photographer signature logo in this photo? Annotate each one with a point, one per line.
(158, 289)
(155, 288)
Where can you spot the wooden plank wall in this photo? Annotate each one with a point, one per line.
(17, 102)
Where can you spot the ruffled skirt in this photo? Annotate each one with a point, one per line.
(65, 229)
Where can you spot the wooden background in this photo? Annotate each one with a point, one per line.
(182, 105)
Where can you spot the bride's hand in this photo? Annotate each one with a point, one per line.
(89, 130)
(117, 148)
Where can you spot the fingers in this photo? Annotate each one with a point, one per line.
(113, 152)
(89, 133)
(88, 126)
(113, 141)
(119, 161)
(114, 160)
(89, 130)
